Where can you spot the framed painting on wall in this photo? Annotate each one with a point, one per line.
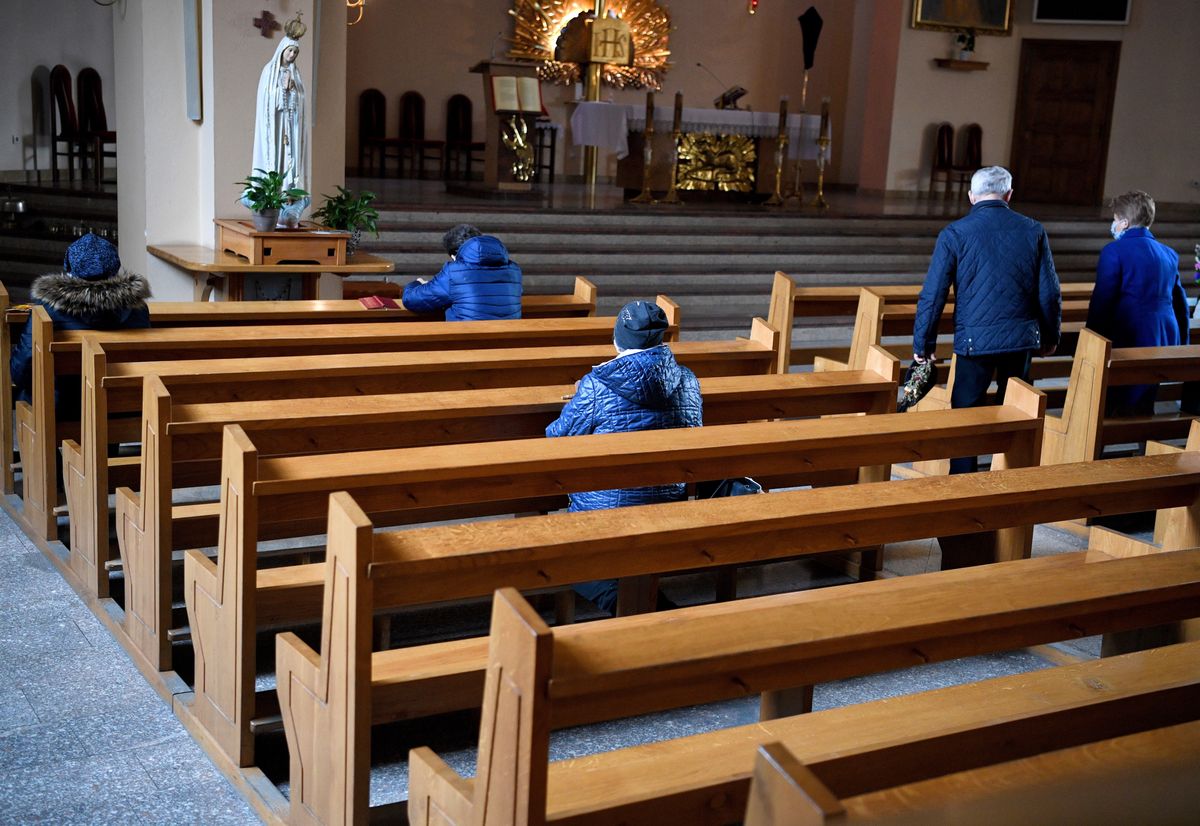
(982, 16)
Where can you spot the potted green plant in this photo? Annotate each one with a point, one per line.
(264, 194)
(350, 212)
(965, 41)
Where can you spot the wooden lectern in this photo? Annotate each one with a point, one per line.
(500, 158)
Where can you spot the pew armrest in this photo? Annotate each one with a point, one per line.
(436, 793)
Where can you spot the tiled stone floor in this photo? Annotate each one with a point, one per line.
(83, 739)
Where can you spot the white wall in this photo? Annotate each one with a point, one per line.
(1155, 138)
(428, 47)
(47, 32)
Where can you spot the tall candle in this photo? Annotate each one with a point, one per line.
(824, 133)
(650, 110)
(678, 112)
(783, 103)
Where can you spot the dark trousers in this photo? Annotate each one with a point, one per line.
(972, 375)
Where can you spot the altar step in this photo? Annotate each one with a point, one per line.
(719, 264)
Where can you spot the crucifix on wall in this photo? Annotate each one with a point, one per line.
(267, 24)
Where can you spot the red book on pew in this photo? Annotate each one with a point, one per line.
(378, 302)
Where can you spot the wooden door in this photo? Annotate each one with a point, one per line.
(1064, 113)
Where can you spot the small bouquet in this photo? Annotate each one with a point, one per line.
(1197, 259)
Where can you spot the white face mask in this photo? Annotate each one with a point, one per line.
(1116, 233)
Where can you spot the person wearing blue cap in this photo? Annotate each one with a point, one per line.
(643, 388)
(91, 293)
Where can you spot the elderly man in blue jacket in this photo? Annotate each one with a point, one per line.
(479, 282)
(1007, 303)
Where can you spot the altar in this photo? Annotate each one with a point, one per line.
(720, 150)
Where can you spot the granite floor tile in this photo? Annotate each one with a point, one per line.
(127, 726)
(15, 710)
(37, 745)
(177, 763)
(70, 786)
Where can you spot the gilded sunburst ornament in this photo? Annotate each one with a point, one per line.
(539, 22)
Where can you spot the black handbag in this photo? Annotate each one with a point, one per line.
(733, 486)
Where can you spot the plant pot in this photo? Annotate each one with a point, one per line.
(354, 240)
(964, 55)
(289, 219)
(266, 220)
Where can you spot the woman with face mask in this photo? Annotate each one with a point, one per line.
(1138, 300)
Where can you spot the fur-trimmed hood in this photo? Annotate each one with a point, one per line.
(85, 299)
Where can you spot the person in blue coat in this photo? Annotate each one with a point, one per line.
(479, 282)
(1138, 300)
(1007, 299)
(91, 293)
(643, 388)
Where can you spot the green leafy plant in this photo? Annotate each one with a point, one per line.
(265, 191)
(966, 40)
(349, 211)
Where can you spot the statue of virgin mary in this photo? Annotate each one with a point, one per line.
(280, 129)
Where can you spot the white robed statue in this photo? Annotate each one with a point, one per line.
(280, 128)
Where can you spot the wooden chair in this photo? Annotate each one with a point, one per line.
(942, 163)
(94, 133)
(64, 123)
(545, 149)
(971, 160)
(372, 132)
(413, 142)
(460, 145)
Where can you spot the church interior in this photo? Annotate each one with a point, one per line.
(333, 494)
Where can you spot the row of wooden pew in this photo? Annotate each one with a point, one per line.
(414, 424)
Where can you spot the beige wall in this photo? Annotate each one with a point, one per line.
(428, 47)
(46, 33)
(1155, 139)
(177, 175)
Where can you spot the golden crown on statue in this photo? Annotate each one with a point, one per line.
(295, 27)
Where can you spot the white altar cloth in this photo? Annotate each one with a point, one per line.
(802, 129)
(601, 124)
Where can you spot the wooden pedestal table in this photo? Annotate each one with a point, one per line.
(224, 273)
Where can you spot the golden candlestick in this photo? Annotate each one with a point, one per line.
(672, 197)
(781, 143)
(647, 153)
(592, 93)
(822, 147)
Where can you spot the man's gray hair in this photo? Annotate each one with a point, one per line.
(991, 180)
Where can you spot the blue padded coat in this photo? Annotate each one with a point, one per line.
(117, 303)
(1007, 296)
(480, 284)
(641, 390)
(1138, 302)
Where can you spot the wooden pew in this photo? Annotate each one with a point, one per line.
(1082, 431)
(1145, 777)
(532, 306)
(58, 353)
(538, 677)
(184, 442)
(113, 389)
(790, 301)
(581, 302)
(264, 497)
(453, 562)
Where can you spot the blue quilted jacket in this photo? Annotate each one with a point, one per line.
(1006, 293)
(480, 284)
(641, 390)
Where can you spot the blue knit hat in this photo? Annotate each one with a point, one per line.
(91, 258)
(640, 326)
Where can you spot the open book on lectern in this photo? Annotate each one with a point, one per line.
(517, 94)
